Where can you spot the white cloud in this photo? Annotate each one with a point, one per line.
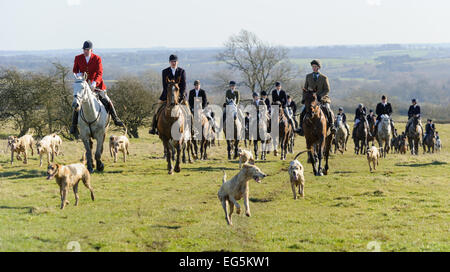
(373, 3)
(72, 3)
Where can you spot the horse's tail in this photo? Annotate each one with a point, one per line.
(299, 153)
(224, 176)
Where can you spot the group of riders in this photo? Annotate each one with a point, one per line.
(91, 64)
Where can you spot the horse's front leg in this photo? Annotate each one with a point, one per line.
(236, 147)
(229, 149)
(320, 154)
(178, 151)
(169, 151)
(87, 147)
(98, 153)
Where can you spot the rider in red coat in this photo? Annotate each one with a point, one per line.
(91, 64)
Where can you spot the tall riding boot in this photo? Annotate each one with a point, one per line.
(330, 122)
(154, 123)
(300, 126)
(74, 127)
(114, 116)
(111, 110)
(393, 130)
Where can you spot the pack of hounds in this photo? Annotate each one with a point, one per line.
(232, 190)
(66, 176)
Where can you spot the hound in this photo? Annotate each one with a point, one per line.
(119, 144)
(45, 146)
(69, 176)
(56, 143)
(20, 145)
(245, 156)
(373, 155)
(297, 177)
(236, 188)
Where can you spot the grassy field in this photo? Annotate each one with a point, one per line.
(402, 206)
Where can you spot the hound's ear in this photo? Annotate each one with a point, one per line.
(179, 80)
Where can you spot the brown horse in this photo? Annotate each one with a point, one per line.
(429, 142)
(286, 132)
(317, 134)
(360, 139)
(171, 115)
(370, 136)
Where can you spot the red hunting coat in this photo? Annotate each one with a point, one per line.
(94, 69)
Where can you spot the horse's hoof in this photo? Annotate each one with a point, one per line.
(177, 169)
(91, 170)
(170, 172)
(100, 166)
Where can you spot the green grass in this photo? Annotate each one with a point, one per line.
(403, 205)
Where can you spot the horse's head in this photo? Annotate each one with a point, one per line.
(311, 102)
(80, 88)
(173, 91)
(385, 119)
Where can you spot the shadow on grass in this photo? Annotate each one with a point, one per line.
(421, 164)
(22, 174)
(211, 169)
(166, 227)
(260, 200)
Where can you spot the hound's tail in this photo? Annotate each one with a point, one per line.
(126, 131)
(299, 153)
(224, 177)
(83, 159)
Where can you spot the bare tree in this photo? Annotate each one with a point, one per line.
(259, 63)
(134, 102)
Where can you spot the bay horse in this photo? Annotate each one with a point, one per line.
(414, 134)
(286, 132)
(93, 120)
(171, 126)
(429, 142)
(232, 140)
(360, 140)
(317, 134)
(371, 120)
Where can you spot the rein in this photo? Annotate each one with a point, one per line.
(84, 118)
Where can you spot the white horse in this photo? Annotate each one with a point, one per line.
(341, 138)
(384, 134)
(93, 120)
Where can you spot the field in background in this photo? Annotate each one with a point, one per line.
(403, 205)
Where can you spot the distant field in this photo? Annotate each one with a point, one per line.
(402, 206)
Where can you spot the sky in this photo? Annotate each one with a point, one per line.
(65, 24)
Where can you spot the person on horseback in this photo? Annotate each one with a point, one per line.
(197, 93)
(292, 108)
(413, 111)
(319, 82)
(429, 129)
(91, 64)
(279, 97)
(266, 100)
(384, 107)
(173, 72)
(232, 93)
(344, 119)
(360, 115)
